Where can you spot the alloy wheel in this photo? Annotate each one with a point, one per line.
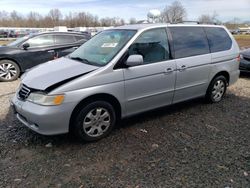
(7, 71)
(218, 90)
(96, 122)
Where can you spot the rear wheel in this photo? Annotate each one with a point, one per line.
(9, 70)
(216, 89)
(95, 121)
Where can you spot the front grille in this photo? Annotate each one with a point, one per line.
(23, 92)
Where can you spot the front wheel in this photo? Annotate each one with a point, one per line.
(9, 70)
(95, 121)
(216, 89)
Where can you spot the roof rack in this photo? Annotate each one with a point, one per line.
(196, 22)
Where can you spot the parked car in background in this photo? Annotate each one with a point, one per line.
(245, 60)
(124, 71)
(3, 34)
(34, 49)
(235, 32)
(12, 34)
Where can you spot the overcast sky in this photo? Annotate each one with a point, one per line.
(226, 9)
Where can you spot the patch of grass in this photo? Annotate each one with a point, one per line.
(243, 40)
(247, 37)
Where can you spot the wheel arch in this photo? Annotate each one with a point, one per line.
(101, 96)
(14, 60)
(222, 73)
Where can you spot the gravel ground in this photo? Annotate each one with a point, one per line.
(191, 144)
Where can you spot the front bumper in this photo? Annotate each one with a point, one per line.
(45, 120)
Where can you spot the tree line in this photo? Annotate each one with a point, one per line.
(172, 13)
(56, 18)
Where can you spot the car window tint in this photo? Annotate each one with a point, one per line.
(64, 39)
(39, 41)
(189, 41)
(218, 39)
(152, 45)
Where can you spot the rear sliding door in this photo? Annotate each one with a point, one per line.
(193, 59)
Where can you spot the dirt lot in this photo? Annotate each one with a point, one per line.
(191, 144)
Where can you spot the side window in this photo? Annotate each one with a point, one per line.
(78, 37)
(152, 45)
(64, 39)
(218, 39)
(41, 41)
(189, 41)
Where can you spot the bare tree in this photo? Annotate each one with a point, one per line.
(208, 19)
(4, 18)
(54, 17)
(16, 18)
(33, 19)
(174, 13)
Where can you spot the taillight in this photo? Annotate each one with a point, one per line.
(238, 58)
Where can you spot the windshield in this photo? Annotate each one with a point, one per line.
(18, 41)
(102, 48)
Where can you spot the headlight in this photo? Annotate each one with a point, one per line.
(46, 100)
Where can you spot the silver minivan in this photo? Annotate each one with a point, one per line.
(124, 71)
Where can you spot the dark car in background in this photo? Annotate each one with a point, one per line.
(3, 34)
(245, 60)
(34, 49)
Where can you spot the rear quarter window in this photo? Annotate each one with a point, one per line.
(64, 39)
(218, 39)
(189, 41)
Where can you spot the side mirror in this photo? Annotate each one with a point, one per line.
(26, 46)
(134, 60)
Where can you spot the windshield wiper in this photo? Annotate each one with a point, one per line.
(80, 59)
(84, 61)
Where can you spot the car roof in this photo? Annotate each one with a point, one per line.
(148, 26)
(58, 32)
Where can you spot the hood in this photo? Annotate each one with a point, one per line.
(53, 72)
(246, 53)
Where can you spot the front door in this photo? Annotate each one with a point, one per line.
(40, 51)
(150, 85)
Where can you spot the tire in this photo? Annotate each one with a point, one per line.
(216, 89)
(89, 126)
(9, 71)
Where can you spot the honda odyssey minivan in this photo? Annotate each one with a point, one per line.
(124, 71)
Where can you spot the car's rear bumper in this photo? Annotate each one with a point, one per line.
(45, 120)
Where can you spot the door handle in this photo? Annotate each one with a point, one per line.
(168, 70)
(182, 68)
(51, 51)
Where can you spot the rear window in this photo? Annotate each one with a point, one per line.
(189, 41)
(218, 39)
